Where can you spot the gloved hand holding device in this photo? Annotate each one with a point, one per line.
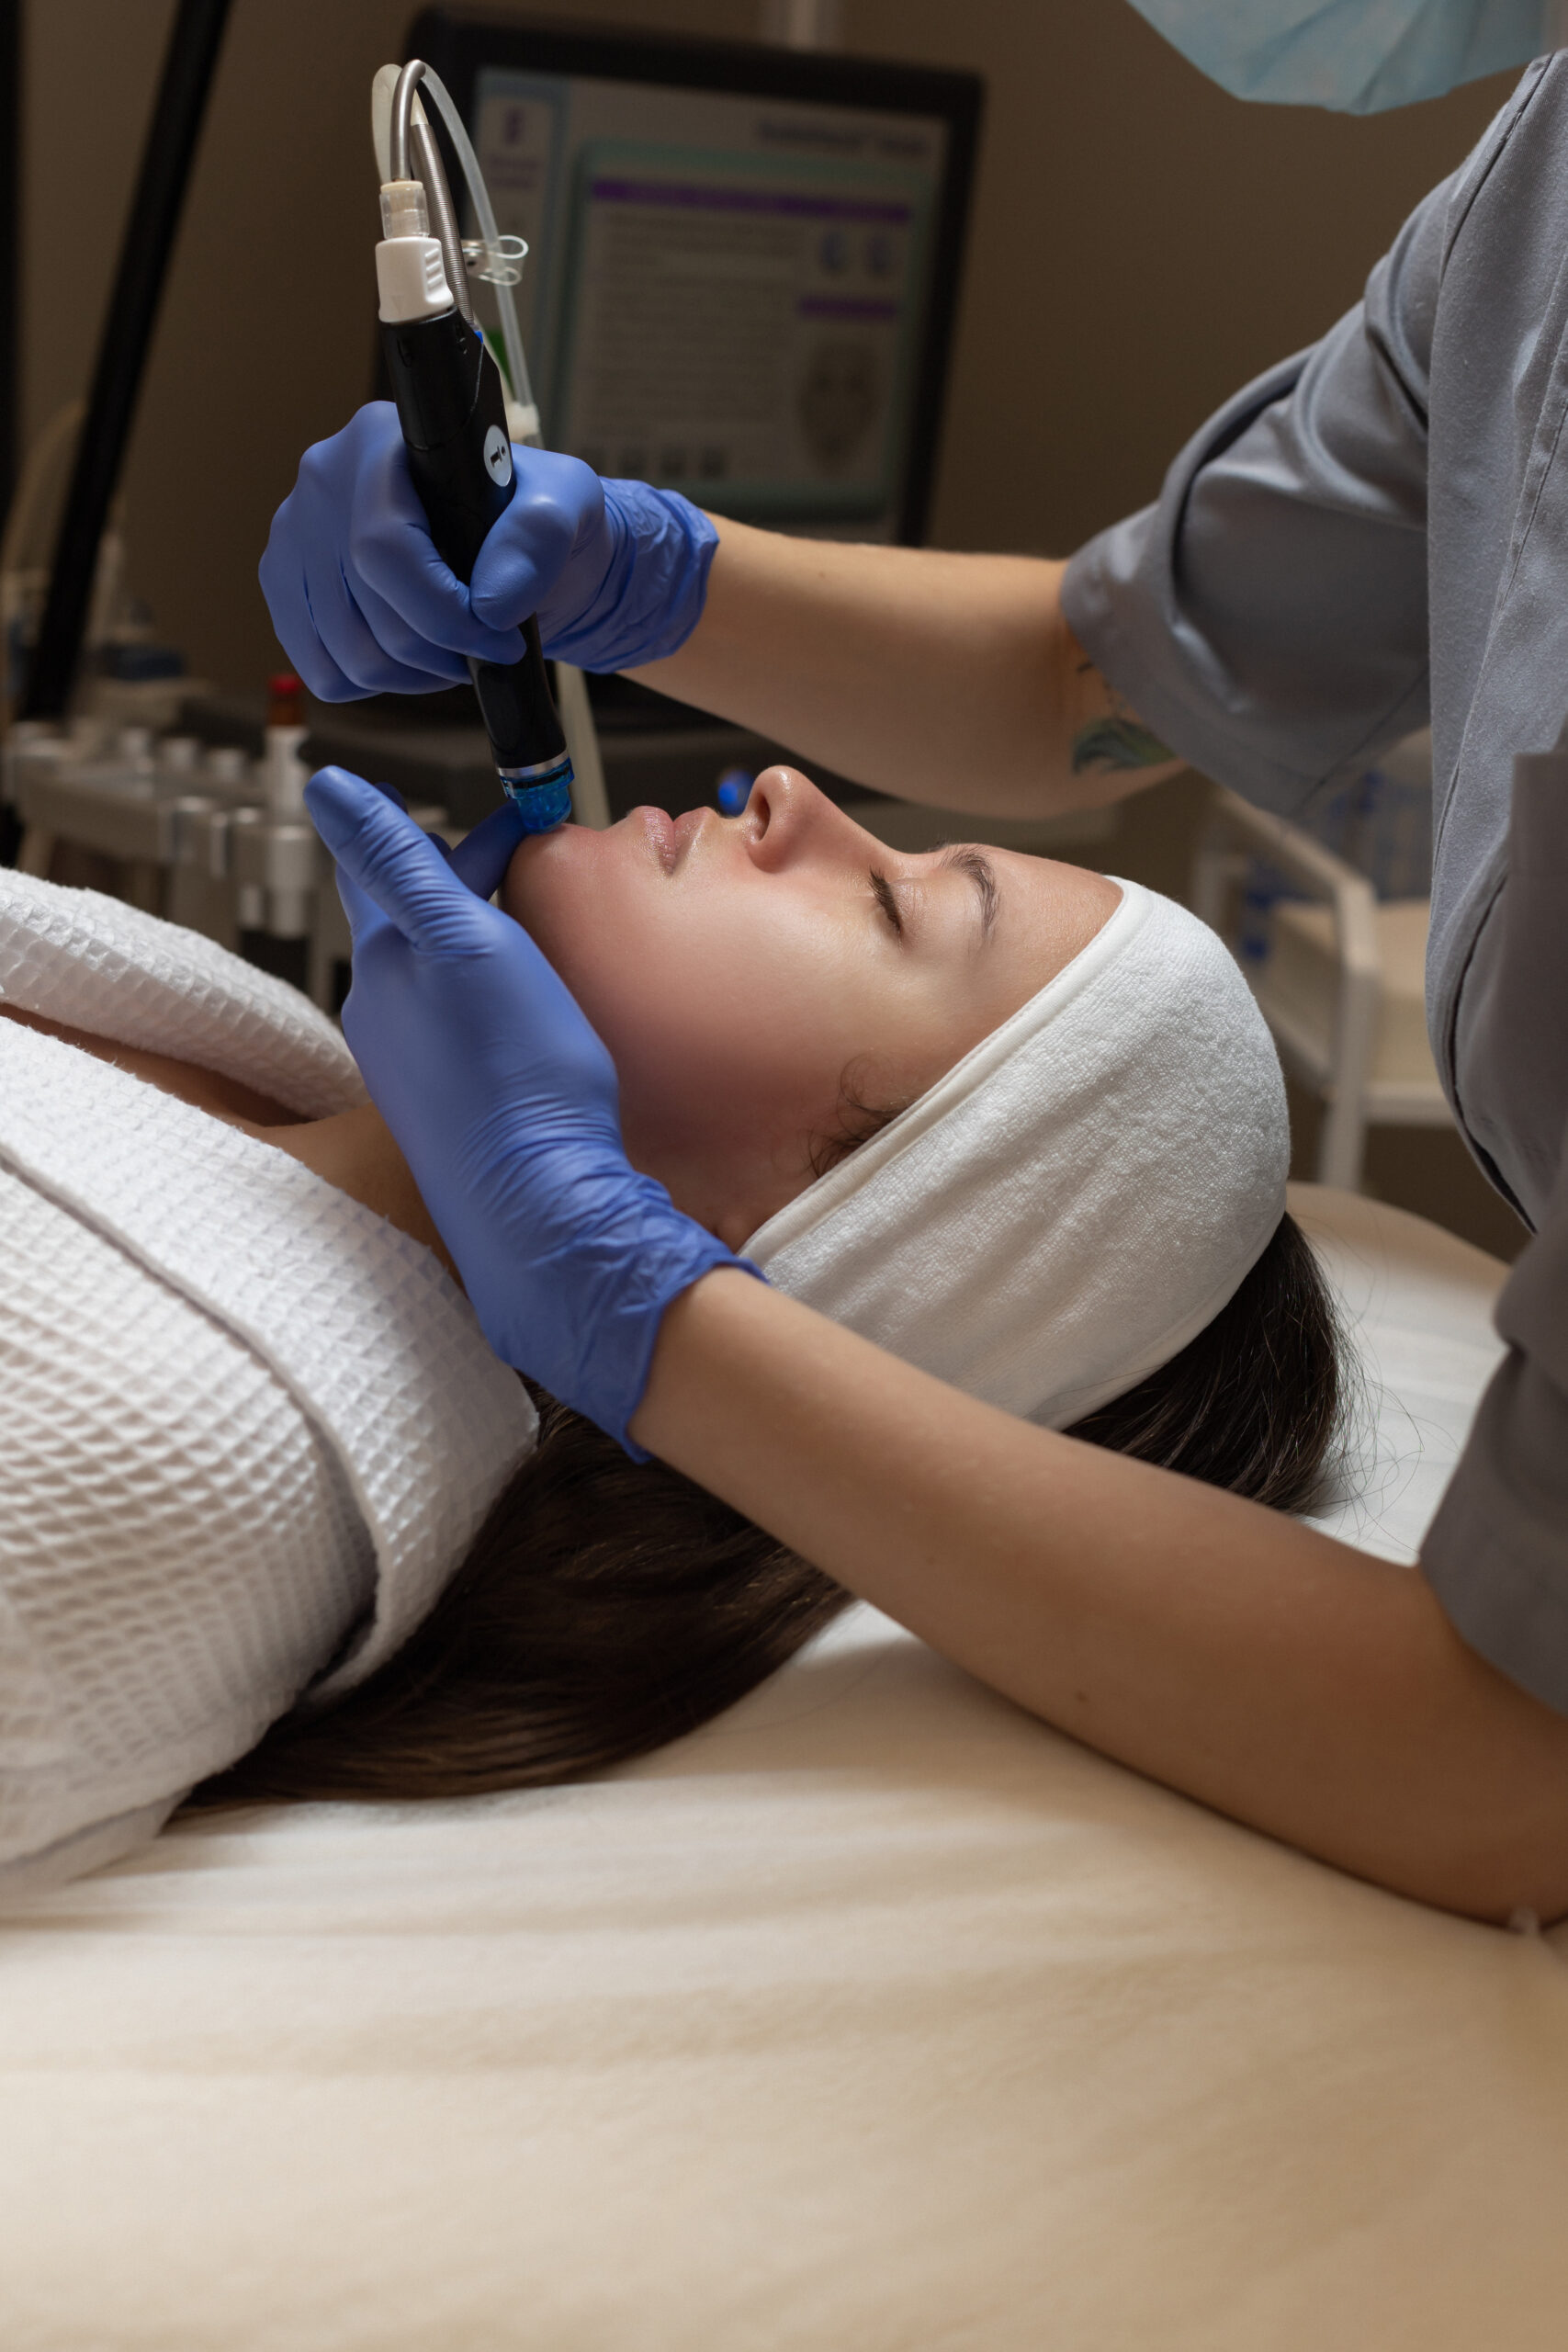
(363, 604)
(504, 1104)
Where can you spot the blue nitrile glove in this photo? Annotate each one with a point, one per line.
(504, 1104)
(363, 604)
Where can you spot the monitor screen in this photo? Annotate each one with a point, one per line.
(743, 261)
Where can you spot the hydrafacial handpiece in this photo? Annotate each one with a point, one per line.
(452, 407)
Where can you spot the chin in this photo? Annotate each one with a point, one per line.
(562, 888)
(529, 881)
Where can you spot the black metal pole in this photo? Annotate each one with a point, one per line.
(10, 319)
(10, 242)
(122, 356)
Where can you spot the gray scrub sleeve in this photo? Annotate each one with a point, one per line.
(1374, 534)
(1496, 1553)
(1268, 617)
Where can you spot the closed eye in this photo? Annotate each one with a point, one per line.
(882, 889)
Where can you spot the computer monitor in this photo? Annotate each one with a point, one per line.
(743, 261)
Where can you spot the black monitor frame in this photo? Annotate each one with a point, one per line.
(458, 46)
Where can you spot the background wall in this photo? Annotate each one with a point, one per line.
(1141, 244)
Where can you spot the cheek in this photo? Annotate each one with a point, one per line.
(722, 1008)
(714, 1026)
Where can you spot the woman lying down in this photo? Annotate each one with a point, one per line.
(272, 1512)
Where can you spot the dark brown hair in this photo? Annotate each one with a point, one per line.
(607, 1606)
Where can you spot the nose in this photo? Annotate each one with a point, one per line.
(787, 818)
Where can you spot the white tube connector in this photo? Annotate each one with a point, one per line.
(410, 276)
(284, 775)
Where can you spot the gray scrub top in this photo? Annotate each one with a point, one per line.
(1373, 533)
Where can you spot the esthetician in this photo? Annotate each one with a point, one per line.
(1373, 535)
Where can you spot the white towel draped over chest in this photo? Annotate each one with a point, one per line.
(250, 1429)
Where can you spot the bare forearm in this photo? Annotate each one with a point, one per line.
(1302, 1687)
(950, 679)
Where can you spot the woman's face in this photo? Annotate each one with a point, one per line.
(758, 977)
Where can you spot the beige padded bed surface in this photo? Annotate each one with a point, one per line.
(874, 2017)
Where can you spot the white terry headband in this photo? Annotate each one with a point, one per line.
(1076, 1198)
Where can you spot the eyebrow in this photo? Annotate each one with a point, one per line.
(982, 874)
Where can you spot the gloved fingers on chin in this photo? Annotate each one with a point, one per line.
(366, 923)
(386, 860)
(481, 858)
(365, 916)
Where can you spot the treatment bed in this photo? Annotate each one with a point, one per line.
(874, 2016)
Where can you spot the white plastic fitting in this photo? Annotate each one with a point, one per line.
(284, 773)
(410, 276)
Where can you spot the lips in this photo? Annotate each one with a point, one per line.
(661, 835)
(687, 827)
(671, 838)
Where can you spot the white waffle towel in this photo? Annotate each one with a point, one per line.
(250, 1430)
(1076, 1198)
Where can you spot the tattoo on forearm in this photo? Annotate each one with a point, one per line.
(1116, 741)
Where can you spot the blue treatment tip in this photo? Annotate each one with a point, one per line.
(734, 790)
(544, 805)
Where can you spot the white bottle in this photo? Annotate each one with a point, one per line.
(283, 771)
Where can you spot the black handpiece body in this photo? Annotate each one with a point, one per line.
(452, 409)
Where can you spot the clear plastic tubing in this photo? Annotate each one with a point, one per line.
(397, 168)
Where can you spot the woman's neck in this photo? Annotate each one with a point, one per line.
(353, 1150)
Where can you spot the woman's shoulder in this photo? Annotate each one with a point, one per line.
(98, 965)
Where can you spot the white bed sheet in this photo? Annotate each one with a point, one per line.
(874, 2015)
